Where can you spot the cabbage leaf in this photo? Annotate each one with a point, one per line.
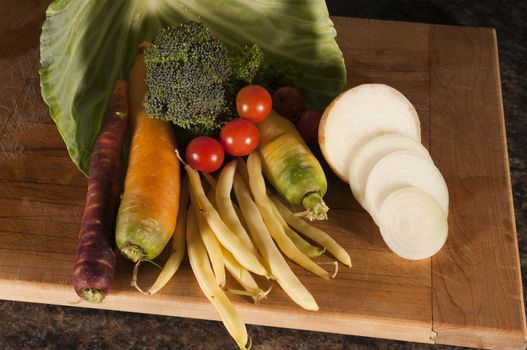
(86, 46)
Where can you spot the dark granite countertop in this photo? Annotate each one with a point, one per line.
(25, 325)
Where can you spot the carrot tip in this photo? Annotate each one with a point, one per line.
(133, 283)
(93, 295)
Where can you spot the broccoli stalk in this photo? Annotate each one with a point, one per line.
(193, 77)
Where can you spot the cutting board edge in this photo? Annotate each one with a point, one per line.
(483, 338)
(200, 308)
(453, 333)
(508, 180)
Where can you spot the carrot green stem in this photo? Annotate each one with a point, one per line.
(315, 206)
(93, 295)
(133, 252)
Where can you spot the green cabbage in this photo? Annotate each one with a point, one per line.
(86, 45)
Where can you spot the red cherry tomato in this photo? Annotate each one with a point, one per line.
(288, 102)
(307, 126)
(239, 137)
(254, 103)
(204, 154)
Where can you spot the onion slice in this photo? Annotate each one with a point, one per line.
(359, 114)
(374, 150)
(413, 224)
(402, 169)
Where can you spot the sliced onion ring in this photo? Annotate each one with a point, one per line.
(374, 150)
(402, 169)
(413, 224)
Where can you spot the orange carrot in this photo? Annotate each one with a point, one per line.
(95, 258)
(149, 207)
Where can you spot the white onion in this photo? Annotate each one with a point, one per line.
(362, 113)
(374, 150)
(412, 223)
(402, 169)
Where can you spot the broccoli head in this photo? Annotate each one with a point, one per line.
(245, 62)
(193, 77)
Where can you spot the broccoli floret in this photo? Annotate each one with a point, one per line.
(245, 61)
(192, 77)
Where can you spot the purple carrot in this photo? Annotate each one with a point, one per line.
(95, 258)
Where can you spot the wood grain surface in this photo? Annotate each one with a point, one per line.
(469, 294)
(475, 277)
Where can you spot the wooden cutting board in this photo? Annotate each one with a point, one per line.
(469, 294)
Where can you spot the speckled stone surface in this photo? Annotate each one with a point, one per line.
(24, 325)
